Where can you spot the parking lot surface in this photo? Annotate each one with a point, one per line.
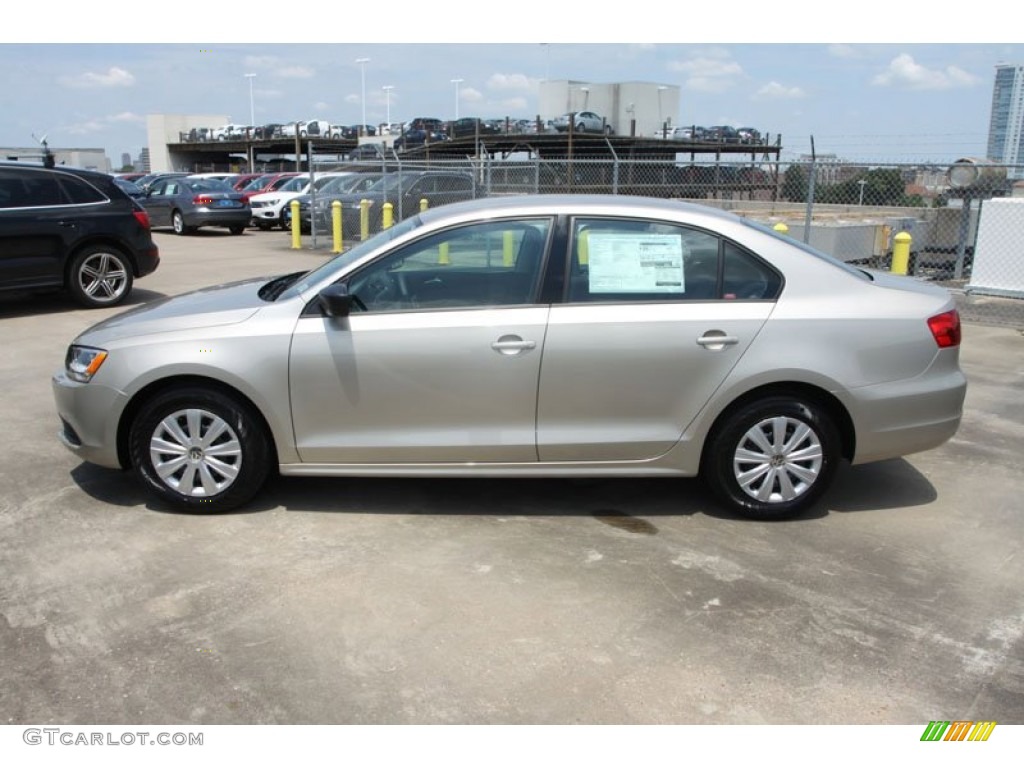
(898, 600)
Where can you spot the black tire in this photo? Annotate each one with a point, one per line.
(784, 482)
(178, 224)
(264, 226)
(100, 276)
(217, 477)
(236, 229)
(607, 130)
(581, 128)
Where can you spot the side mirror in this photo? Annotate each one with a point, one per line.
(336, 301)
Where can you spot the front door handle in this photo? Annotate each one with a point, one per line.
(512, 345)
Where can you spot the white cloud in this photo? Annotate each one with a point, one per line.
(126, 117)
(298, 72)
(115, 77)
(711, 71)
(904, 72)
(321, 106)
(352, 98)
(88, 126)
(471, 95)
(777, 91)
(517, 82)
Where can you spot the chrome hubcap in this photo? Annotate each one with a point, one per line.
(195, 452)
(103, 276)
(778, 459)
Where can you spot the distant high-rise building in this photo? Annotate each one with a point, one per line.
(1006, 125)
(142, 164)
(126, 159)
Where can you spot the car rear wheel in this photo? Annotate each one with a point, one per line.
(237, 229)
(773, 458)
(100, 276)
(199, 449)
(581, 128)
(178, 224)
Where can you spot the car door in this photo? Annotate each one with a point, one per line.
(652, 323)
(36, 228)
(158, 204)
(441, 363)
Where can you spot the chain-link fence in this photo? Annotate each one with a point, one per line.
(965, 227)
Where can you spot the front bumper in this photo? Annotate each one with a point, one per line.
(90, 414)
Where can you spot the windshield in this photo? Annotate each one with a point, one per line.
(296, 184)
(327, 182)
(257, 184)
(208, 185)
(350, 256)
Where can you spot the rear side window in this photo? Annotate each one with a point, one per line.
(81, 192)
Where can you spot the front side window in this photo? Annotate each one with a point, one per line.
(494, 263)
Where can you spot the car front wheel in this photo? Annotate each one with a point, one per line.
(773, 458)
(100, 276)
(199, 449)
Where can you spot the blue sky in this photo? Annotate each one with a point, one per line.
(879, 99)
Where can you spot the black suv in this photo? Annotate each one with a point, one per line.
(74, 229)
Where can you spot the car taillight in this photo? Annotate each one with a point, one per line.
(142, 217)
(202, 200)
(946, 328)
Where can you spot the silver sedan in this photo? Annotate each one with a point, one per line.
(536, 336)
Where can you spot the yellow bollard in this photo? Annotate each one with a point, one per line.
(364, 218)
(387, 216)
(901, 253)
(583, 249)
(423, 204)
(507, 257)
(336, 225)
(296, 226)
(781, 228)
(442, 254)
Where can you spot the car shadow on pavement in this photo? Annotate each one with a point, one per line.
(27, 304)
(627, 503)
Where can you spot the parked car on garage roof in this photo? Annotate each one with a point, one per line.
(582, 122)
(527, 337)
(72, 229)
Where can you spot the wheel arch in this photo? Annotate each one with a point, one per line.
(823, 398)
(102, 241)
(134, 405)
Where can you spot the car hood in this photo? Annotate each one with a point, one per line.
(208, 307)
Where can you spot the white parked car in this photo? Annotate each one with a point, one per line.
(230, 131)
(268, 208)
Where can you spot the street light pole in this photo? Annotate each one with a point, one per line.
(456, 82)
(862, 182)
(252, 120)
(387, 100)
(362, 98)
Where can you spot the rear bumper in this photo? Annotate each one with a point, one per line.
(211, 217)
(903, 417)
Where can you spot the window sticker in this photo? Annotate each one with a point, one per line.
(635, 263)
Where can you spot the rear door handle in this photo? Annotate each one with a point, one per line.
(716, 340)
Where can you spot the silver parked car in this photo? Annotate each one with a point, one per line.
(529, 336)
(582, 122)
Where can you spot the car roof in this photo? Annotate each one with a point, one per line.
(603, 205)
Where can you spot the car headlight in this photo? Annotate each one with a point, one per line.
(82, 363)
